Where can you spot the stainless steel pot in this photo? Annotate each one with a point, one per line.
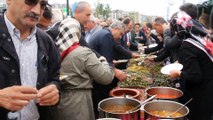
(166, 105)
(164, 93)
(130, 115)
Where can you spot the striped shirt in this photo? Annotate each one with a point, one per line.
(27, 53)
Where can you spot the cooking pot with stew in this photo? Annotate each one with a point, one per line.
(165, 110)
(122, 108)
(164, 93)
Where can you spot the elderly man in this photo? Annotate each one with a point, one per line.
(82, 15)
(122, 46)
(30, 63)
(103, 42)
(91, 27)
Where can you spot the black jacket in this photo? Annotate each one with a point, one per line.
(48, 64)
(172, 43)
(197, 81)
(156, 48)
(53, 32)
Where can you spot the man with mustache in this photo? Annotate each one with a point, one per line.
(30, 63)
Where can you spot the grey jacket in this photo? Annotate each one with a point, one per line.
(82, 67)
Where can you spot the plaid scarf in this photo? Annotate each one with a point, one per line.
(69, 33)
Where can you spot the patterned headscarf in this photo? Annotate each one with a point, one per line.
(69, 33)
(185, 21)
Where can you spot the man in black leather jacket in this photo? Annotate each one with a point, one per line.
(27, 85)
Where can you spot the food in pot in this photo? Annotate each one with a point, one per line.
(168, 93)
(118, 108)
(165, 114)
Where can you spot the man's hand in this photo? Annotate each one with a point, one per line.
(16, 97)
(128, 44)
(140, 45)
(48, 95)
(160, 38)
(139, 38)
(174, 74)
(120, 74)
(135, 55)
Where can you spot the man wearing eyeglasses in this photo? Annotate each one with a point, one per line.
(45, 21)
(30, 63)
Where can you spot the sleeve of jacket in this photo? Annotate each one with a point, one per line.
(189, 58)
(101, 72)
(171, 42)
(121, 50)
(54, 66)
(154, 49)
(133, 46)
(154, 37)
(54, 60)
(162, 55)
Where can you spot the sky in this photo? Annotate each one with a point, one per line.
(146, 7)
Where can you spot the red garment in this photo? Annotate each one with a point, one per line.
(208, 46)
(70, 49)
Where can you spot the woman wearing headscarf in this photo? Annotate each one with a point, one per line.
(81, 66)
(196, 55)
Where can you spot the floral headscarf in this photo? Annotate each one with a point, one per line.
(186, 22)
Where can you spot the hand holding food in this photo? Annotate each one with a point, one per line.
(174, 74)
(120, 74)
(16, 97)
(48, 95)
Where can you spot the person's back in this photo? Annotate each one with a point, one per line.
(81, 66)
(197, 80)
(103, 42)
(100, 40)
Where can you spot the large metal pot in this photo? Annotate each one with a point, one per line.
(166, 105)
(115, 101)
(164, 93)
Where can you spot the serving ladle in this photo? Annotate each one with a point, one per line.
(179, 108)
(136, 107)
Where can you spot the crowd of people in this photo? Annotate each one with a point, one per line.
(38, 45)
